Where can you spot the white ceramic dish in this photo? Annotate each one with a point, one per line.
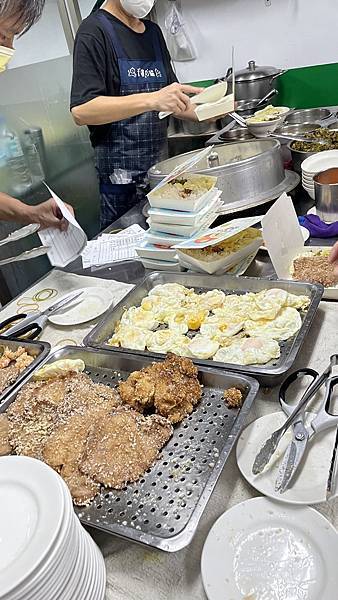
(261, 130)
(187, 205)
(221, 264)
(320, 162)
(161, 265)
(263, 550)
(309, 486)
(92, 304)
(32, 504)
(178, 217)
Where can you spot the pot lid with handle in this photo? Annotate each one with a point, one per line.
(253, 72)
(228, 155)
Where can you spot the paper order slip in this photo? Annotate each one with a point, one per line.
(64, 246)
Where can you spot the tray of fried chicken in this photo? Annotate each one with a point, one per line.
(139, 442)
(18, 358)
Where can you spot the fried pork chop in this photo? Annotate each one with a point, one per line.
(171, 387)
(121, 447)
(8, 375)
(5, 447)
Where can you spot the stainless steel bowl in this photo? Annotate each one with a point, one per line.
(246, 108)
(333, 126)
(308, 115)
(236, 134)
(297, 129)
(249, 173)
(297, 157)
(326, 194)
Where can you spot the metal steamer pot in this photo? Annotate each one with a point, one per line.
(249, 173)
(254, 81)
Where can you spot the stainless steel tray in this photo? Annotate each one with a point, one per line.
(39, 350)
(269, 374)
(164, 507)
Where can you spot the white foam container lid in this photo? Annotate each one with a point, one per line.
(152, 252)
(187, 205)
(178, 217)
(221, 264)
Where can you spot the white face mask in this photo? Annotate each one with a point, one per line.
(137, 8)
(5, 56)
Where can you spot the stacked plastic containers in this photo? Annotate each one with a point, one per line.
(173, 220)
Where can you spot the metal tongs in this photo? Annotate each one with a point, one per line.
(302, 434)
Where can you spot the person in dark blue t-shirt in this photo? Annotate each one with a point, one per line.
(122, 79)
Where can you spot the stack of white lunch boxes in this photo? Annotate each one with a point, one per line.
(181, 206)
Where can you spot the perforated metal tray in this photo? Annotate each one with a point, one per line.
(39, 350)
(164, 507)
(269, 374)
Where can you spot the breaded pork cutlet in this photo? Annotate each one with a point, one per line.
(171, 387)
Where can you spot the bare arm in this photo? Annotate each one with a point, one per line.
(109, 109)
(45, 214)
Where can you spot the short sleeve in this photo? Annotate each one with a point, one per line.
(89, 70)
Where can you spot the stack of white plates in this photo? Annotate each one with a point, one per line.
(315, 164)
(45, 554)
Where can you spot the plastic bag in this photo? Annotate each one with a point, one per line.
(179, 43)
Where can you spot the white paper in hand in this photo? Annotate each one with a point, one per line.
(64, 246)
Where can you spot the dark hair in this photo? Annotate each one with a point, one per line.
(26, 12)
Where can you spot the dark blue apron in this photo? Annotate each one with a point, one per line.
(133, 145)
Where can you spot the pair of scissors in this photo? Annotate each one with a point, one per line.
(269, 447)
(303, 433)
(30, 326)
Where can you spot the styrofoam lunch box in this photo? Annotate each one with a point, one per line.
(221, 264)
(178, 217)
(162, 265)
(163, 239)
(152, 252)
(183, 230)
(186, 205)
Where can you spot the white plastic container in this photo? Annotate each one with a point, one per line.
(219, 264)
(162, 265)
(187, 204)
(183, 230)
(178, 217)
(163, 239)
(152, 252)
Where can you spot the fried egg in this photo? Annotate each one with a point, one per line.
(284, 326)
(212, 299)
(249, 351)
(235, 306)
(178, 322)
(129, 336)
(267, 304)
(202, 347)
(140, 318)
(219, 328)
(170, 288)
(180, 346)
(161, 341)
(299, 302)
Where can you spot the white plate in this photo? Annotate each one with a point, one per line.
(92, 304)
(320, 162)
(19, 234)
(32, 505)
(262, 550)
(309, 486)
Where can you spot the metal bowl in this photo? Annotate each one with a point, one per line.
(297, 157)
(297, 129)
(236, 134)
(333, 126)
(249, 173)
(308, 115)
(246, 108)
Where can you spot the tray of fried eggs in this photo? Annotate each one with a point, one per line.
(252, 324)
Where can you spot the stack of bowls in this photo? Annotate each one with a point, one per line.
(45, 554)
(321, 161)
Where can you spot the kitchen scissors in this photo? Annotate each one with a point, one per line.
(301, 433)
(30, 326)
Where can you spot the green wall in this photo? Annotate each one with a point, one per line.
(306, 87)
